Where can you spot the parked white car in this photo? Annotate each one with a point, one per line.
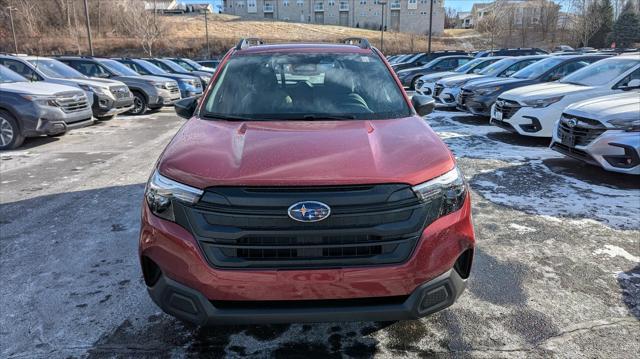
(603, 131)
(534, 110)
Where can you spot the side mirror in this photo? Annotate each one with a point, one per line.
(424, 105)
(632, 85)
(186, 107)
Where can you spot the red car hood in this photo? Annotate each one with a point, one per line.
(267, 153)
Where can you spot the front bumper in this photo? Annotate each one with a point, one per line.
(476, 105)
(447, 97)
(104, 105)
(426, 89)
(179, 259)
(164, 98)
(46, 120)
(528, 121)
(614, 150)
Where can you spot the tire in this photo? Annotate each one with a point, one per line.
(413, 83)
(139, 104)
(106, 118)
(10, 135)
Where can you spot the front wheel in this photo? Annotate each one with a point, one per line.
(413, 83)
(139, 104)
(10, 136)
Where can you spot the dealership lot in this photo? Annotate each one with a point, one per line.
(556, 272)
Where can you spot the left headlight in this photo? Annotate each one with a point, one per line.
(447, 192)
(487, 90)
(630, 125)
(161, 191)
(542, 102)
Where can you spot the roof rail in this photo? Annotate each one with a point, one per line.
(358, 41)
(249, 41)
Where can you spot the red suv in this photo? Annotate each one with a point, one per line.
(305, 187)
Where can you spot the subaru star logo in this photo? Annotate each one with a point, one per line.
(572, 122)
(500, 103)
(76, 98)
(309, 211)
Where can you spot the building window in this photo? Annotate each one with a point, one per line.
(300, 2)
(343, 5)
(332, 2)
(285, 2)
(363, 2)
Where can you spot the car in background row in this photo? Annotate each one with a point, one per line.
(533, 110)
(188, 85)
(425, 84)
(150, 92)
(477, 98)
(446, 90)
(213, 64)
(409, 77)
(108, 98)
(517, 51)
(604, 131)
(173, 68)
(31, 109)
(422, 59)
(191, 65)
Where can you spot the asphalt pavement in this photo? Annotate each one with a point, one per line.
(556, 273)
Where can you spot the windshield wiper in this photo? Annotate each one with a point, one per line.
(219, 116)
(324, 117)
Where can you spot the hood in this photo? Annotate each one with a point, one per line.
(621, 106)
(95, 82)
(38, 88)
(438, 75)
(295, 153)
(177, 77)
(543, 90)
(153, 78)
(105, 82)
(450, 81)
(507, 82)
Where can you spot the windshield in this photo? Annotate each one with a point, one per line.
(538, 68)
(469, 66)
(186, 66)
(498, 66)
(192, 63)
(8, 76)
(55, 68)
(118, 68)
(150, 68)
(171, 65)
(305, 87)
(600, 73)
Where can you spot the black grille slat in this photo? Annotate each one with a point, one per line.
(249, 227)
(581, 132)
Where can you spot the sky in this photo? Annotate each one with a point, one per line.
(462, 5)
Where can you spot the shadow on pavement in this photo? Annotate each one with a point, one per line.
(518, 140)
(591, 174)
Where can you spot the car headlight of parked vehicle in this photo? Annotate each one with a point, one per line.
(90, 88)
(629, 125)
(162, 191)
(450, 189)
(43, 100)
(487, 90)
(542, 102)
(161, 85)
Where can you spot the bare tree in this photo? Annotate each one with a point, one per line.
(450, 18)
(493, 22)
(588, 21)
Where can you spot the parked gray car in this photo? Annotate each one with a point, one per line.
(109, 98)
(174, 68)
(150, 92)
(30, 109)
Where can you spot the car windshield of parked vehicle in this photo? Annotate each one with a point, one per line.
(150, 68)
(56, 69)
(193, 64)
(173, 66)
(8, 76)
(498, 66)
(538, 68)
(600, 73)
(184, 64)
(118, 68)
(305, 87)
(469, 65)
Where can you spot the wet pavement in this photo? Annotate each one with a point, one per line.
(556, 273)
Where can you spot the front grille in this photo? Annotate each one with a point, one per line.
(574, 152)
(198, 84)
(119, 91)
(578, 131)
(464, 96)
(243, 227)
(507, 107)
(173, 88)
(72, 102)
(437, 89)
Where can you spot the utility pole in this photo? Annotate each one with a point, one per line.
(383, 3)
(86, 14)
(430, 26)
(13, 30)
(206, 32)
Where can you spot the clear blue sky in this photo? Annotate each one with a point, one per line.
(462, 5)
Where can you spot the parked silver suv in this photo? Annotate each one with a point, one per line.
(108, 97)
(29, 109)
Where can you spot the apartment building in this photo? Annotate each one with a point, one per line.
(410, 16)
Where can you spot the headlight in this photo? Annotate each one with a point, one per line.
(626, 125)
(543, 102)
(161, 192)
(488, 90)
(159, 85)
(89, 88)
(43, 100)
(446, 193)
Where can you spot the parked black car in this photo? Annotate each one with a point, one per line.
(424, 58)
(478, 97)
(518, 51)
(408, 77)
(189, 85)
(172, 67)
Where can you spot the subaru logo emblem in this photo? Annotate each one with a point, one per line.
(75, 98)
(572, 122)
(500, 103)
(309, 211)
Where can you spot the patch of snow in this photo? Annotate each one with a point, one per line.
(615, 251)
(520, 229)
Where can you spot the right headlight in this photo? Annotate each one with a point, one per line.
(630, 125)
(161, 192)
(542, 102)
(447, 191)
(43, 100)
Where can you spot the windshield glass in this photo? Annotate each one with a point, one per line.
(498, 66)
(305, 87)
(537, 68)
(468, 66)
(7, 76)
(118, 68)
(186, 66)
(192, 63)
(55, 68)
(172, 65)
(151, 68)
(600, 73)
